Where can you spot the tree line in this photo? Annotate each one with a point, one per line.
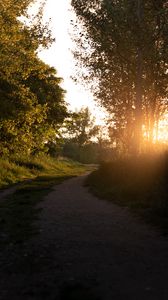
(123, 45)
(32, 106)
(33, 114)
(83, 140)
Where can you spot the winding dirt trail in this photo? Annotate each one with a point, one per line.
(88, 249)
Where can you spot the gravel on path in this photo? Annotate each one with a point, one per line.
(87, 249)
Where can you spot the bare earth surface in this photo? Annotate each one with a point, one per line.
(7, 192)
(87, 249)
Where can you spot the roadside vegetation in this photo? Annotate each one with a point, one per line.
(19, 210)
(139, 184)
(16, 169)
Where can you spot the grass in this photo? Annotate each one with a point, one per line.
(11, 173)
(18, 169)
(137, 183)
(19, 211)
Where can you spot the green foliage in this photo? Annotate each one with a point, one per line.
(83, 140)
(20, 168)
(79, 132)
(11, 173)
(80, 127)
(29, 87)
(88, 153)
(139, 183)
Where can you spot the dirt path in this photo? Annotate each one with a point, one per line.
(5, 193)
(87, 249)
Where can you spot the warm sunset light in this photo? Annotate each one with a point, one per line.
(163, 130)
(160, 132)
(83, 150)
(60, 56)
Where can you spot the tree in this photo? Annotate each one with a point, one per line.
(126, 55)
(78, 134)
(80, 127)
(29, 87)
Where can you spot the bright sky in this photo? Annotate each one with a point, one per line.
(60, 56)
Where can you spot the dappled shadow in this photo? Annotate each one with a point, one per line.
(19, 210)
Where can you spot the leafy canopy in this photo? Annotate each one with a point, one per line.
(31, 99)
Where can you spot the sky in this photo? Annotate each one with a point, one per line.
(60, 56)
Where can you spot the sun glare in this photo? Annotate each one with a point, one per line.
(162, 134)
(60, 56)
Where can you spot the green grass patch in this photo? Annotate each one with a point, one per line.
(137, 183)
(11, 173)
(19, 211)
(17, 169)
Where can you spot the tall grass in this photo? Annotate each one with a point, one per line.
(17, 169)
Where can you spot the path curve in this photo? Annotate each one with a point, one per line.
(91, 249)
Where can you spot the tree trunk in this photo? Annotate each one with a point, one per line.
(138, 103)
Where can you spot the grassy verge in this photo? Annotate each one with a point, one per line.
(18, 169)
(139, 184)
(19, 211)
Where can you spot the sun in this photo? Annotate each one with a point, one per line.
(162, 134)
(159, 138)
